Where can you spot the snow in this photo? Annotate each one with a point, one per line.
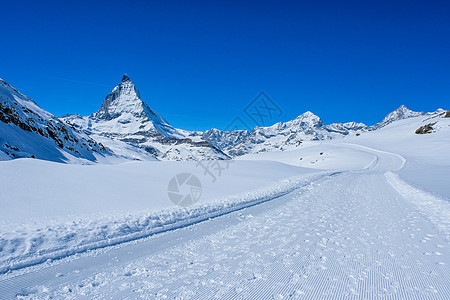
(427, 155)
(435, 208)
(119, 188)
(339, 235)
(355, 216)
(70, 207)
(326, 156)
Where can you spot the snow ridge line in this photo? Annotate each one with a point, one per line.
(437, 210)
(134, 227)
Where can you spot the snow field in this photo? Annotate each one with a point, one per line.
(29, 245)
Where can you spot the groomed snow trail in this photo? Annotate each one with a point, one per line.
(351, 235)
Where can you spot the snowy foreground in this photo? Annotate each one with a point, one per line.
(362, 217)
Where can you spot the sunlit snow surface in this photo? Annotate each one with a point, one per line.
(362, 217)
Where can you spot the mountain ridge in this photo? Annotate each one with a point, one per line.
(28, 131)
(129, 128)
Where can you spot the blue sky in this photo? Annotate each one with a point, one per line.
(199, 63)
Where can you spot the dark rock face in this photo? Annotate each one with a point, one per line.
(425, 129)
(26, 120)
(125, 78)
(447, 114)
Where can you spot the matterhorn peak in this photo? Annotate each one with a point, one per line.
(125, 108)
(124, 98)
(125, 78)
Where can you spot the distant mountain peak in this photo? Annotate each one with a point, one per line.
(125, 78)
(403, 110)
(125, 108)
(401, 113)
(123, 99)
(307, 119)
(307, 115)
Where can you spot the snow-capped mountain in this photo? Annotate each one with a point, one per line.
(283, 135)
(130, 129)
(279, 136)
(399, 114)
(29, 131)
(123, 111)
(128, 126)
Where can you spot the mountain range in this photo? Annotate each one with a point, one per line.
(126, 128)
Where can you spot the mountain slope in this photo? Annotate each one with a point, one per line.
(29, 131)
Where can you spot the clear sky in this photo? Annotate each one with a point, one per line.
(199, 63)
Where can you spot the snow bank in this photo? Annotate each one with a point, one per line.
(36, 191)
(435, 209)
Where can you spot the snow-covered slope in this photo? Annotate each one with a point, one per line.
(26, 130)
(427, 155)
(127, 125)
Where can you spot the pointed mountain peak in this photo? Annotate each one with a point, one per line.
(125, 78)
(308, 114)
(402, 108)
(307, 119)
(124, 99)
(125, 108)
(401, 113)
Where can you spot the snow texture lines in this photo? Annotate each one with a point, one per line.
(437, 210)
